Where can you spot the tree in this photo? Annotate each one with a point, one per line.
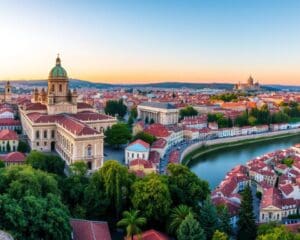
(242, 120)
(177, 216)
(151, 194)
(117, 135)
(132, 222)
(190, 229)
(8, 148)
(115, 108)
(277, 233)
(145, 137)
(209, 218)
(116, 184)
(219, 236)
(96, 202)
(252, 121)
(187, 112)
(224, 219)
(73, 189)
(182, 183)
(2, 164)
(246, 222)
(130, 121)
(134, 113)
(46, 162)
(23, 147)
(31, 207)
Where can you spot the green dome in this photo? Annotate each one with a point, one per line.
(58, 70)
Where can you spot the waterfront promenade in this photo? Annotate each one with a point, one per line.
(194, 146)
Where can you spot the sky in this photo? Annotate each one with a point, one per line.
(139, 41)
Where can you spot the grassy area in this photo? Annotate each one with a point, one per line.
(203, 150)
(295, 120)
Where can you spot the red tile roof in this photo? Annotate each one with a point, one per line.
(7, 134)
(139, 141)
(83, 105)
(287, 189)
(76, 127)
(154, 157)
(271, 197)
(35, 106)
(143, 162)
(151, 235)
(157, 130)
(174, 157)
(9, 122)
(90, 116)
(90, 230)
(14, 157)
(159, 143)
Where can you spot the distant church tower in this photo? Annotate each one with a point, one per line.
(7, 93)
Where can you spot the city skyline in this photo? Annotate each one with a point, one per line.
(141, 42)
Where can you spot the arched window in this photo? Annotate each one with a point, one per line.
(89, 150)
(37, 134)
(45, 134)
(60, 87)
(52, 88)
(53, 134)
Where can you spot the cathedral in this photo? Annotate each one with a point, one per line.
(6, 96)
(249, 86)
(54, 121)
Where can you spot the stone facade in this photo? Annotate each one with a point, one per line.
(163, 113)
(54, 121)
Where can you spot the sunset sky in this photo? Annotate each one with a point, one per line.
(130, 41)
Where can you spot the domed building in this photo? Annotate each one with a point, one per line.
(59, 98)
(249, 86)
(54, 121)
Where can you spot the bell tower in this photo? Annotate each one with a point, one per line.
(7, 94)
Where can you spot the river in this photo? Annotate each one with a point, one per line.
(214, 166)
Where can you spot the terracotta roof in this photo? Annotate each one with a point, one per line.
(154, 157)
(233, 207)
(271, 197)
(157, 130)
(90, 230)
(159, 143)
(174, 156)
(287, 189)
(143, 162)
(76, 127)
(151, 235)
(7, 134)
(83, 105)
(139, 141)
(35, 106)
(90, 116)
(14, 157)
(9, 122)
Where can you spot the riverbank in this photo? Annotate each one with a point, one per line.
(200, 149)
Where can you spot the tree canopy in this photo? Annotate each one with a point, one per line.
(145, 137)
(187, 112)
(115, 108)
(190, 229)
(117, 135)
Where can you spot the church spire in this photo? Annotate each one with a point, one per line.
(57, 60)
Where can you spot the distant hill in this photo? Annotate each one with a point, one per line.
(77, 83)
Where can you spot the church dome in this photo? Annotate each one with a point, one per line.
(58, 71)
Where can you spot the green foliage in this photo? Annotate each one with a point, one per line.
(151, 195)
(246, 222)
(134, 113)
(224, 220)
(115, 108)
(187, 112)
(132, 222)
(276, 233)
(46, 162)
(288, 161)
(23, 147)
(145, 137)
(116, 184)
(130, 121)
(209, 218)
(222, 121)
(117, 135)
(219, 236)
(190, 229)
(2, 164)
(79, 168)
(178, 214)
(30, 208)
(226, 97)
(183, 183)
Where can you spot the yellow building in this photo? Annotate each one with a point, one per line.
(54, 121)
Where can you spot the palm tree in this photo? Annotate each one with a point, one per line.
(177, 216)
(132, 222)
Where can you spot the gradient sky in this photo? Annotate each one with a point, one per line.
(129, 41)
